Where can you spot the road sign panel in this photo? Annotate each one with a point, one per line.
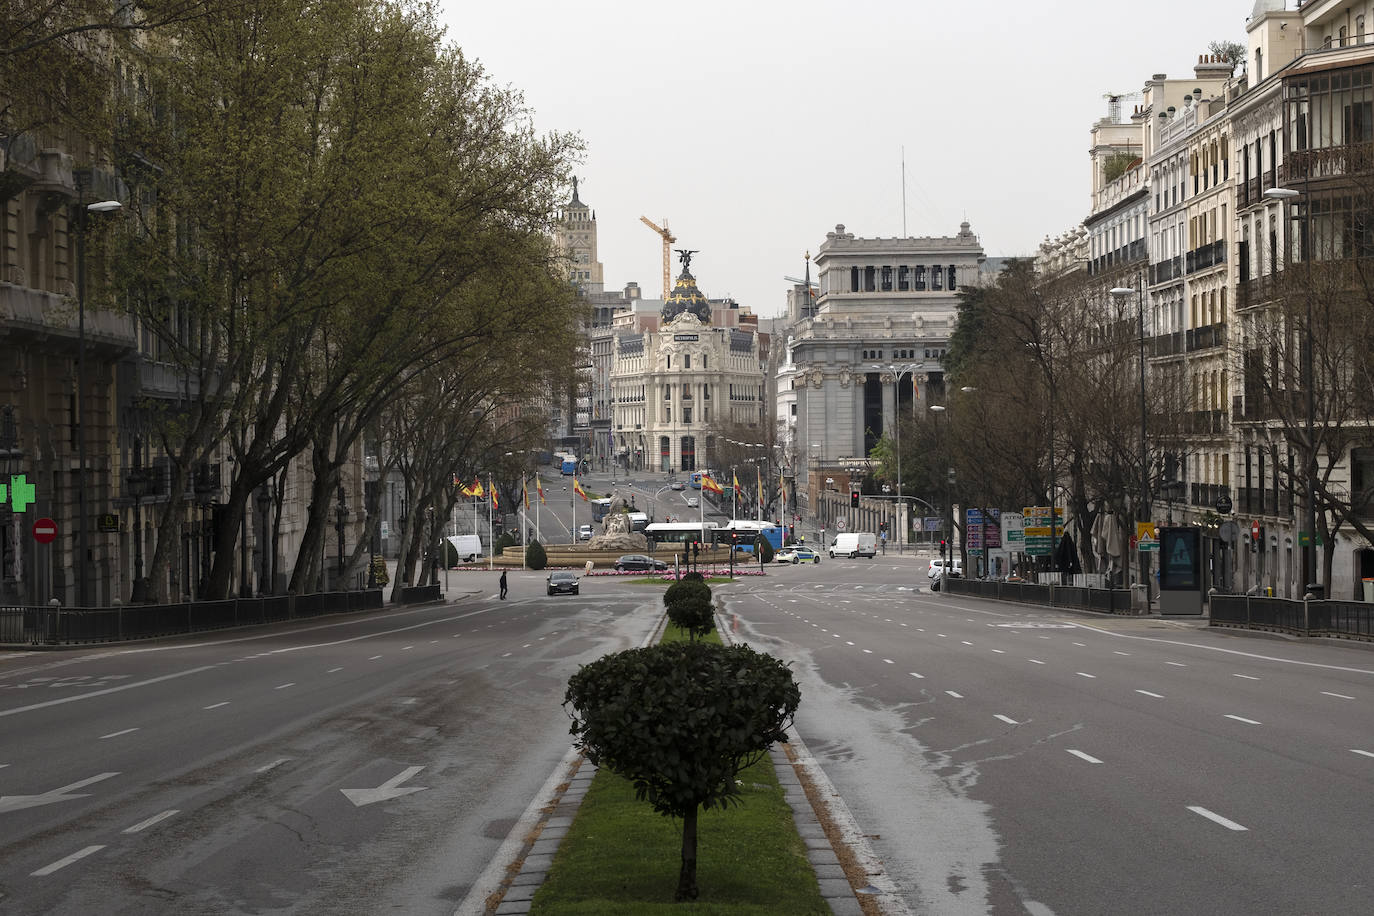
(45, 531)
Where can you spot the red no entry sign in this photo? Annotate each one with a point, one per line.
(45, 531)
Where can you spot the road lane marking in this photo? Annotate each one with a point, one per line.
(1080, 644)
(100, 693)
(63, 863)
(918, 676)
(1216, 818)
(1355, 750)
(1006, 719)
(155, 819)
(1035, 661)
(374, 658)
(272, 766)
(866, 651)
(1248, 677)
(1119, 652)
(1242, 719)
(1176, 664)
(117, 734)
(19, 802)
(1082, 756)
(406, 648)
(1157, 696)
(284, 686)
(966, 642)
(887, 661)
(1086, 674)
(1339, 696)
(1000, 651)
(957, 696)
(216, 705)
(333, 670)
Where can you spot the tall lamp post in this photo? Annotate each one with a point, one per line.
(83, 210)
(949, 507)
(1309, 382)
(897, 372)
(1142, 558)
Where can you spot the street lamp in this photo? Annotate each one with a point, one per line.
(897, 373)
(1143, 559)
(83, 522)
(949, 506)
(1309, 382)
(138, 488)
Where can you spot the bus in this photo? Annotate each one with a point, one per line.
(680, 532)
(746, 532)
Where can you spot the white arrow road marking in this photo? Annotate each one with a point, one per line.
(386, 791)
(19, 802)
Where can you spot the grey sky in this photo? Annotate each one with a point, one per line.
(755, 127)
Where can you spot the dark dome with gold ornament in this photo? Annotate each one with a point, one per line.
(686, 297)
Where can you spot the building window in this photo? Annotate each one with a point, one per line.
(703, 360)
(670, 362)
(903, 279)
(686, 360)
(686, 391)
(687, 415)
(706, 392)
(667, 392)
(887, 279)
(793, 409)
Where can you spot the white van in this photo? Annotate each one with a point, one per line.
(467, 547)
(854, 544)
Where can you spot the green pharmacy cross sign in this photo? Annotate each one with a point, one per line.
(19, 493)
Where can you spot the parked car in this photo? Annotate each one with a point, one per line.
(796, 555)
(637, 561)
(584, 533)
(937, 567)
(938, 580)
(563, 581)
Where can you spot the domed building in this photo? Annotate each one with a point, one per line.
(676, 385)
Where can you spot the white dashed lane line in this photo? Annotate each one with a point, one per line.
(155, 819)
(1355, 750)
(118, 733)
(1248, 677)
(1157, 696)
(1216, 818)
(957, 696)
(333, 670)
(1006, 719)
(63, 863)
(1086, 674)
(284, 686)
(216, 705)
(1082, 756)
(1242, 719)
(1339, 696)
(1176, 664)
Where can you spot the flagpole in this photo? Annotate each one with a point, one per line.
(758, 482)
(524, 507)
(491, 529)
(572, 504)
(734, 493)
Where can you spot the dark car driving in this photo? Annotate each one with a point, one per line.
(637, 561)
(563, 581)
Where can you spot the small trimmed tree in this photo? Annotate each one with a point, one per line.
(693, 613)
(680, 720)
(765, 549)
(536, 557)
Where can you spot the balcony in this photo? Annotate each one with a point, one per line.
(1164, 271)
(1206, 256)
(1328, 162)
(1205, 338)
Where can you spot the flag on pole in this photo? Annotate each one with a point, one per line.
(525, 488)
(758, 473)
(474, 490)
(495, 500)
(577, 488)
(734, 497)
(708, 484)
(539, 487)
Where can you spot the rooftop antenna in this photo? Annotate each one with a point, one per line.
(903, 192)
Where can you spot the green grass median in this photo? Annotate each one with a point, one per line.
(620, 857)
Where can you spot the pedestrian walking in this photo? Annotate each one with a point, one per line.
(503, 585)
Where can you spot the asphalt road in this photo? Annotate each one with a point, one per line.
(1005, 759)
(354, 765)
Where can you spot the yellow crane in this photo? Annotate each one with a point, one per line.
(668, 240)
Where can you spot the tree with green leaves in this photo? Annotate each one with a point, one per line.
(680, 721)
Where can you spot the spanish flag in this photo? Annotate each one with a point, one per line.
(474, 490)
(577, 488)
(539, 487)
(708, 484)
(735, 495)
(495, 500)
(525, 488)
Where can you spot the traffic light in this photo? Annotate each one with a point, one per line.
(942, 545)
(854, 498)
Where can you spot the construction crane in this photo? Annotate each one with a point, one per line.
(668, 240)
(1114, 103)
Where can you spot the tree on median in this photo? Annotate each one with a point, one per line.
(680, 721)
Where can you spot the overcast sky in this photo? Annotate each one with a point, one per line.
(755, 127)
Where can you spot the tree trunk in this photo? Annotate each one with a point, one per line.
(687, 877)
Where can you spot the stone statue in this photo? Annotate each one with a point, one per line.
(684, 256)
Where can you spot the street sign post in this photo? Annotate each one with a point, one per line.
(1039, 533)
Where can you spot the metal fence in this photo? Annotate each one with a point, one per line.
(1349, 619)
(1110, 600)
(56, 626)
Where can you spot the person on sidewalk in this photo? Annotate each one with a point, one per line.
(503, 585)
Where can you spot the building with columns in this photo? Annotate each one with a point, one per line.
(872, 344)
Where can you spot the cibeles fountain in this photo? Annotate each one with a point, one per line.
(616, 530)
